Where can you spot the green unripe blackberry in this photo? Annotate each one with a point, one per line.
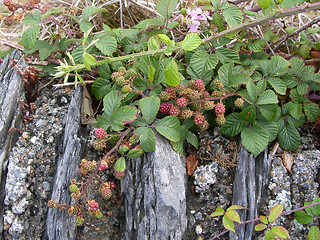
(99, 214)
(208, 105)
(126, 88)
(115, 75)
(180, 89)
(204, 126)
(191, 84)
(217, 83)
(132, 72)
(194, 96)
(164, 96)
(195, 106)
(73, 188)
(120, 81)
(133, 139)
(239, 102)
(79, 220)
(122, 70)
(186, 113)
(217, 94)
(183, 11)
(220, 119)
(99, 145)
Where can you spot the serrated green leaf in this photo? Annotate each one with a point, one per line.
(226, 55)
(314, 233)
(303, 217)
(255, 139)
(233, 207)
(50, 12)
(88, 60)
(280, 232)
(151, 73)
(296, 110)
(260, 227)
(233, 215)
(233, 15)
(166, 7)
(290, 80)
(278, 66)
(33, 18)
(257, 46)
(201, 64)
(290, 3)
(149, 107)
(295, 97)
(89, 11)
(234, 125)
(134, 153)
(111, 103)
(269, 235)
(147, 140)
(263, 219)
(104, 71)
(248, 114)
(44, 49)
(267, 97)
(270, 127)
(278, 85)
(218, 212)
(261, 86)
(239, 79)
(126, 114)
(252, 91)
(139, 122)
(120, 164)
(85, 25)
(191, 42)
(302, 88)
(100, 87)
(269, 111)
(289, 138)
(296, 122)
(192, 139)
(297, 67)
(218, 21)
(172, 74)
(169, 127)
(107, 45)
(228, 224)
(30, 36)
(102, 122)
(275, 212)
(312, 211)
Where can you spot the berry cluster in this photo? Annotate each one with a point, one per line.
(103, 166)
(93, 206)
(124, 78)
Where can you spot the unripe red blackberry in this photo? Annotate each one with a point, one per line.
(82, 171)
(220, 119)
(186, 113)
(120, 81)
(112, 185)
(106, 193)
(206, 95)
(199, 85)
(8, 20)
(175, 111)
(115, 75)
(119, 175)
(220, 109)
(165, 107)
(217, 83)
(99, 145)
(52, 204)
(217, 94)
(164, 96)
(182, 102)
(208, 105)
(46, 7)
(239, 102)
(191, 84)
(170, 90)
(199, 119)
(122, 70)
(73, 188)
(7, 2)
(79, 220)
(100, 133)
(180, 89)
(126, 88)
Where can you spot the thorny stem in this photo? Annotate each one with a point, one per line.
(257, 219)
(85, 185)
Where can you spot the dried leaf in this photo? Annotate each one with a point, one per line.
(287, 160)
(192, 163)
(87, 115)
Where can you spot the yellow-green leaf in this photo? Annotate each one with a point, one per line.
(260, 227)
(275, 213)
(218, 212)
(280, 232)
(228, 224)
(233, 215)
(263, 219)
(233, 207)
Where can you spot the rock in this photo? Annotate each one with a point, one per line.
(154, 195)
(205, 176)
(249, 188)
(60, 225)
(11, 90)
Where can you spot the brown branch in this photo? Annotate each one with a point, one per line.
(286, 12)
(284, 38)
